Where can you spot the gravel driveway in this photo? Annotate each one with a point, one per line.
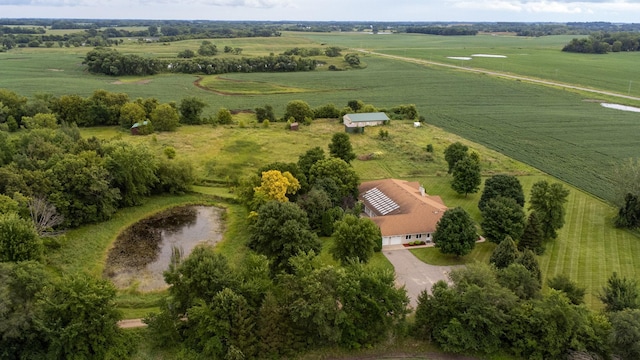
(414, 274)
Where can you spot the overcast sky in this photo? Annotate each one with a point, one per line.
(330, 10)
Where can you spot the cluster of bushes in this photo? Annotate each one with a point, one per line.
(602, 43)
(110, 62)
(82, 180)
(500, 309)
(102, 108)
(442, 30)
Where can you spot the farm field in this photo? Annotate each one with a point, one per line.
(561, 132)
(539, 57)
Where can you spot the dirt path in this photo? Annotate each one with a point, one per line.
(500, 74)
(131, 323)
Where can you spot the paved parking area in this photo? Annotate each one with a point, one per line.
(413, 273)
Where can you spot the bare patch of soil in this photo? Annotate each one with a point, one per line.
(139, 82)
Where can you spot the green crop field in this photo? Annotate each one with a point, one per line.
(561, 132)
(535, 57)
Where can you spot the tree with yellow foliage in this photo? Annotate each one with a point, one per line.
(275, 185)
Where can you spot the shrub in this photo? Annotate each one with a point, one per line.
(170, 152)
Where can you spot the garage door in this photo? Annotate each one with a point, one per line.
(392, 240)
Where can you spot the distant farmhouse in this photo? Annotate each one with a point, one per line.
(402, 210)
(355, 123)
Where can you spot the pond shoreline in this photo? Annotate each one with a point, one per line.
(143, 251)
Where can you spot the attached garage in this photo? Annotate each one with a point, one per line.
(391, 240)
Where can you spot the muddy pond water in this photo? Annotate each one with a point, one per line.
(143, 251)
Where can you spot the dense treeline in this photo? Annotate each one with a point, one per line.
(111, 62)
(604, 42)
(442, 30)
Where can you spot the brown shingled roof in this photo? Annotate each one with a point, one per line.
(416, 213)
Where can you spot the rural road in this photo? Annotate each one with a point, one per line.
(499, 74)
(414, 274)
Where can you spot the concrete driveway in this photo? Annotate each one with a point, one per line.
(414, 274)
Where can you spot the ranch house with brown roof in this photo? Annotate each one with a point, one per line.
(402, 210)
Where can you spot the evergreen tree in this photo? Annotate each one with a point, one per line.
(504, 254)
(529, 261)
(532, 236)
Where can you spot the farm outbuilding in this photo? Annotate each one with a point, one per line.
(403, 211)
(355, 123)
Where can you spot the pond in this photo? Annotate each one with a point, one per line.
(143, 251)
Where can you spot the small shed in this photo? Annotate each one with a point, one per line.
(138, 128)
(355, 123)
(294, 126)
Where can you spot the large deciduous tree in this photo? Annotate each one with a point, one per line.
(19, 240)
(340, 147)
(625, 334)
(80, 319)
(454, 153)
(620, 293)
(501, 185)
(308, 159)
(570, 288)
(344, 176)
(502, 217)
(299, 110)
(191, 110)
(275, 185)
(198, 278)
(20, 287)
(85, 193)
(467, 175)
(132, 169)
(165, 118)
(548, 201)
(455, 233)
(280, 231)
(132, 113)
(355, 239)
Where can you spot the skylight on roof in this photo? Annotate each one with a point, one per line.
(381, 202)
